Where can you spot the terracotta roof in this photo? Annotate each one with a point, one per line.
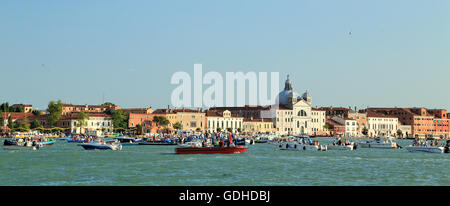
(258, 120)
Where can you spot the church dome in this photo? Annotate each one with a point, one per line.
(306, 95)
(285, 96)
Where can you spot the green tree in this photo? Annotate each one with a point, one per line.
(229, 130)
(4, 107)
(178, 126)
(219, 129)
(108, 104)
(139, 129)
(82, 120)
(365, 131)
(55, 111)
(198, 129)
(36, 112)
(2, 121)
(399, 133)
(10, 122)
(120, 119)
(35, 124)
(161, 121)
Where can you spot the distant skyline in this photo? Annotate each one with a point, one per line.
(345, 53)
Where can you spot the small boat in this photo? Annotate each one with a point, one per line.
(244, 142)
(302, 144)
(342, 145)
(126, 141)
(210, 150)
(77, 141)
(380, 142)
(13, 145)
(424, 146)
(48, 143)
(101, 145)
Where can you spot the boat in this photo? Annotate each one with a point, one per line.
(210, 150)
(16, 145)
(166, 142)
(101, 145)
(302, 144)
(244, 142)
(384, 142)
(126, 141)
(424, 146)
(47, 143)
(342, 145)
(77, 141)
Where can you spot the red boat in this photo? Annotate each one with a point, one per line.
(210, 150)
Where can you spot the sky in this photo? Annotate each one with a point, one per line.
(125, 52)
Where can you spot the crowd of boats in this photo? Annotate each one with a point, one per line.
(224, 143)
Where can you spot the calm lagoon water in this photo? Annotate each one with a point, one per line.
(66, 164)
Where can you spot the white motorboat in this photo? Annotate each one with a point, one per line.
(380, 142)
(342, 145)
(101, 145)
(425, 148)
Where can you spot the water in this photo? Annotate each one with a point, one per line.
(262, 165)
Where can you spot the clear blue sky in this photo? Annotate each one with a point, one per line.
(397, 55)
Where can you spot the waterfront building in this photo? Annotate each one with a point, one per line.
(350, 125)
(192, 120)
(336, 128)
(406, 131)
(96, 124)
(318, 121)
(380, 124)
(69, 108)
(424, 122)
(247, 111)
(258, 126)
(361, 121)
(293, 114)
(223, 121)
(137, 110)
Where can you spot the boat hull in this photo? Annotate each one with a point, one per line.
(210, 150)
(425, 149)
(301, 147)
(88, 146)
(378, 146)
(340, 147)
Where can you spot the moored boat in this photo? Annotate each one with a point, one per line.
(380, 142)
(210, 150)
